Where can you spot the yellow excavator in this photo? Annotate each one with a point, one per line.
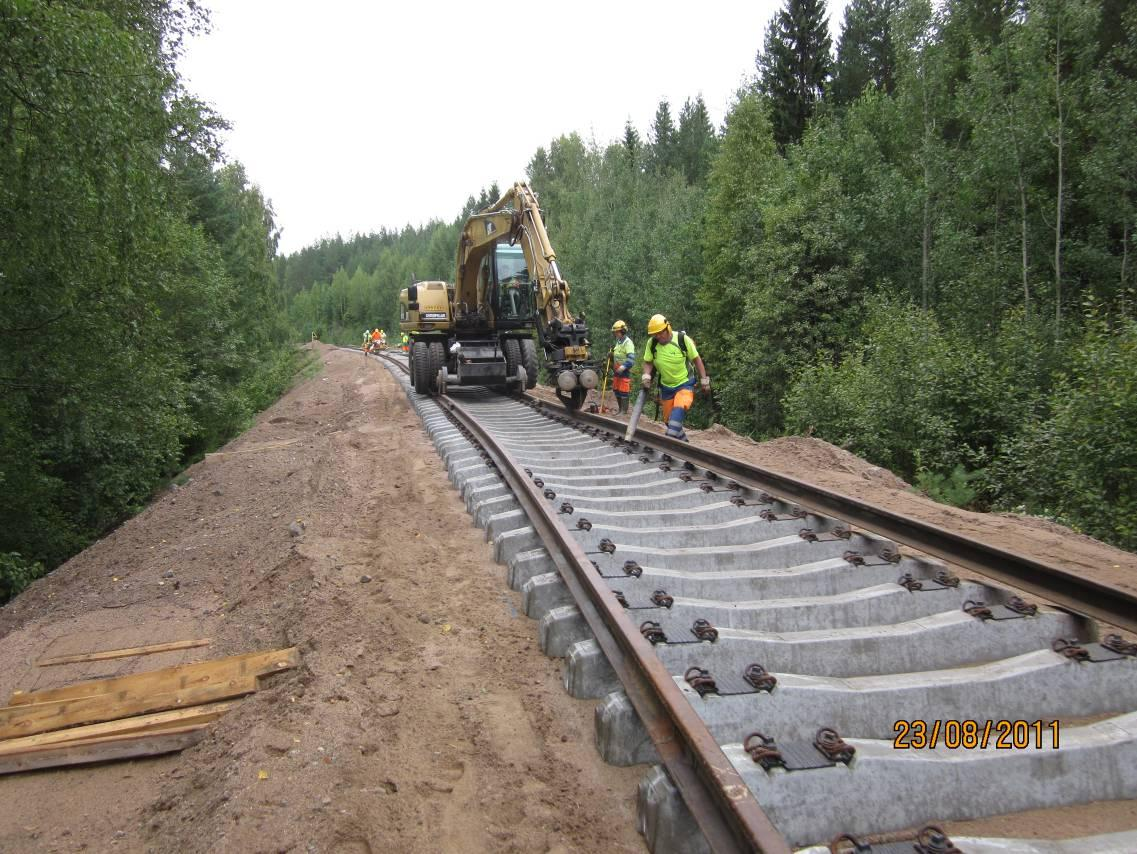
(507, 286)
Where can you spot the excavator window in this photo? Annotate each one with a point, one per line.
(514, 295)
(510, 263)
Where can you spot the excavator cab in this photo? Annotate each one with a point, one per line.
(509, 290)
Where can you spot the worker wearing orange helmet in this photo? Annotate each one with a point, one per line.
(624, 359)
(671, 355)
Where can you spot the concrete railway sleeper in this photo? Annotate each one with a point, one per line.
(779, 627)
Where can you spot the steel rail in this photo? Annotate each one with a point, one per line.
(714, 792)
(1061, 586)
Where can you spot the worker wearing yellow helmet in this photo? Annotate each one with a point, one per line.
(671, 355)
(624, 359)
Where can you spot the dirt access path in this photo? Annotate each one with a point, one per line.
(423, 717)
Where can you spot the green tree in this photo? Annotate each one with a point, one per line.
(1110, 165)
(663, 153)
(744, 172)
(794, 66)
(1079, 462)
(865, 52)
(696, 141)
(119, 233)
(633, 145)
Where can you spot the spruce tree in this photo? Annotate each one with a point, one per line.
(632, 144)
(794, 66)
(664, 153)
(696, 140)
(865, 51)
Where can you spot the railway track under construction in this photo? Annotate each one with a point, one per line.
(799, 670)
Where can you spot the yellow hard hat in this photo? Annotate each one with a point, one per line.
(657, 324)
(619, 326)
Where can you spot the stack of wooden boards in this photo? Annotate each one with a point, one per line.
(144, 714)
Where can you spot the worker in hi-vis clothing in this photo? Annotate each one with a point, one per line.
(670, 355)
(623, 360)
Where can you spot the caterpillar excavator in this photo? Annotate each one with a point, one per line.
(507, 287)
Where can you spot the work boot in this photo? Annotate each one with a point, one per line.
(621, 405)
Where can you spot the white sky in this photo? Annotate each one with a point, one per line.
(353, 115)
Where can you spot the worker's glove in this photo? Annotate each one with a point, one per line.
(620, 369)
(645, 379)
(705, 382)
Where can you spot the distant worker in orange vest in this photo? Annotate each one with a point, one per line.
(624, 359)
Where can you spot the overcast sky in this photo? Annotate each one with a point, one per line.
(354, 115)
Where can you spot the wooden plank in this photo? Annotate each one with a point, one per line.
(110, 739)
(125, 652)
(168, 679)
(122, 748)
(17, 721)
(135, 724)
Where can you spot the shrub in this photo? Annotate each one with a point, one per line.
(900, 397)
(1078, 462)
(16, 573)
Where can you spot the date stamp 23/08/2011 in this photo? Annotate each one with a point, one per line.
(975, 735)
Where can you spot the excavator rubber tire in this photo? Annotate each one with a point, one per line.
(437, 352)
(529, 360)
(511, 347)
(420, 367)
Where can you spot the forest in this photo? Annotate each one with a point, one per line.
(911, 237)
(141, 323)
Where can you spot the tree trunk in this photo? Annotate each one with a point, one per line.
(1124, 260)
(1058, 201)
(1026, 280)
(1022, 185)
(925, 242)
(926, 238)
